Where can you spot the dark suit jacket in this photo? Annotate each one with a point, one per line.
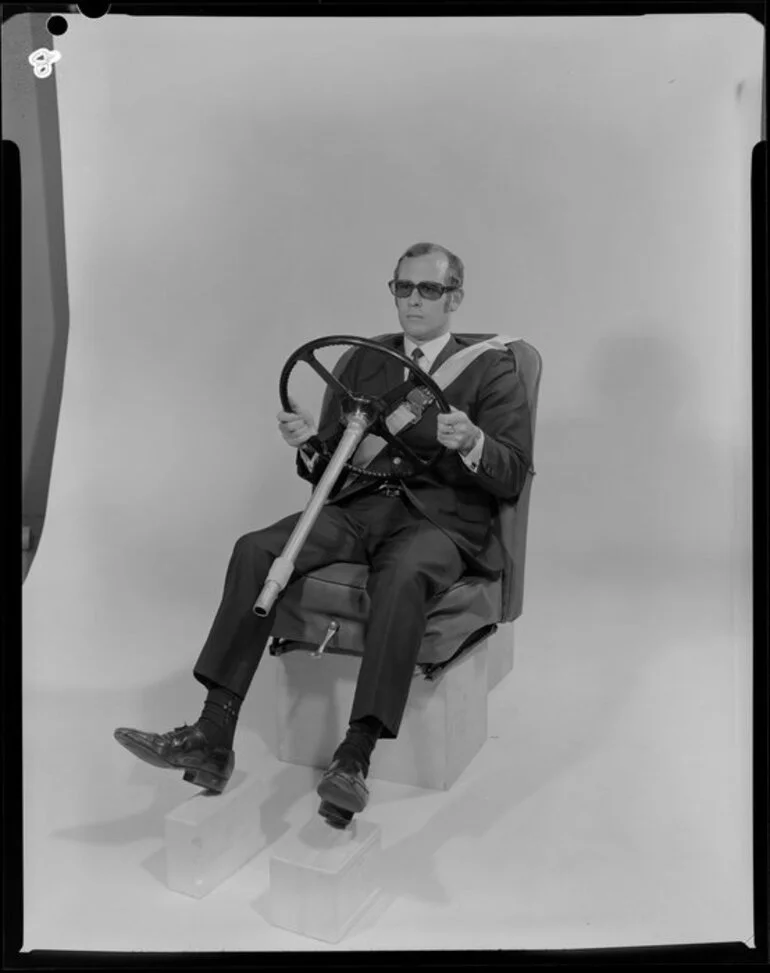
(460, 502)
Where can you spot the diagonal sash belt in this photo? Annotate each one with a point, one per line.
(371, 446)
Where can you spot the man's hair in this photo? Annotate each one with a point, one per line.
(455, 271)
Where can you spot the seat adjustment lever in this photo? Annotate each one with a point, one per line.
(331, 631)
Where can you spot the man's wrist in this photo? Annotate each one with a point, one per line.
(469, 448)
(309, 444)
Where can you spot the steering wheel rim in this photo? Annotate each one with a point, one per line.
(305, 353)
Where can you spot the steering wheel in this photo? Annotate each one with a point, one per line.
(375, 408)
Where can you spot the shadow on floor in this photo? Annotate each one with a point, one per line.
(551, 713)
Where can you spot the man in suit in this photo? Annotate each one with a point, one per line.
(419, 534)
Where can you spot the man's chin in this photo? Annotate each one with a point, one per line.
(418, 328)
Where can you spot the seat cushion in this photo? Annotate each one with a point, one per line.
(338, 592)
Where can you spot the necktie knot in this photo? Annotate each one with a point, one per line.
(418, 354)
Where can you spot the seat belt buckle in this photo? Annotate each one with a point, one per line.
(419, 399)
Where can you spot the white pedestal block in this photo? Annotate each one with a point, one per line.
(500, 654)
(210, 837)
(322, 880)
(443, 728)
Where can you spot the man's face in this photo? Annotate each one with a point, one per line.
(422, 319)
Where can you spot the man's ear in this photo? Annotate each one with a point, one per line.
(455, 300)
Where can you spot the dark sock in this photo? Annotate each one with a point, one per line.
(368, 724)
(360, 740)
(220, 716)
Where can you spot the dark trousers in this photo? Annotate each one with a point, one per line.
(411, 561)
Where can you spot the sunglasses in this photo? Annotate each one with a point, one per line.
(426, 288)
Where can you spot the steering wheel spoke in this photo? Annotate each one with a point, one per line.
(402, 447)
(326, 375)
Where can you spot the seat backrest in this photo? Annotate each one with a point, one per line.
(513, 517)
(510, 524)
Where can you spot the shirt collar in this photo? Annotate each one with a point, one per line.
(431, 349)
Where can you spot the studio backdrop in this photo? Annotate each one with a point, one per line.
(234, 188)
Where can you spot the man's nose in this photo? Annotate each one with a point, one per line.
(414, 298)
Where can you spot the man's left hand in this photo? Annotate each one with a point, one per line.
(456, 431)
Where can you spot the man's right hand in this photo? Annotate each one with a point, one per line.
(296, 427)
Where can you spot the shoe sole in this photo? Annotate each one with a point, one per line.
(192, 775)
(335, 816)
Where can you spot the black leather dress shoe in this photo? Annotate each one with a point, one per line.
(342, 785)
(183, 748)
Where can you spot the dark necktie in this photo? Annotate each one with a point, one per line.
(416, 355)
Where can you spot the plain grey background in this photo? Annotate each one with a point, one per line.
(235, 188)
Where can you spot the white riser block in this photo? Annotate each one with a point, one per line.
(500, 654)
(443, 728)
(210, 837)
(323, 880)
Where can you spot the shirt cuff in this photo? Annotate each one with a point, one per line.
(308, 457)
(473, 458)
